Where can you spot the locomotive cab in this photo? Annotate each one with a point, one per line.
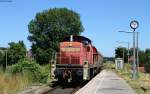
(72, 50)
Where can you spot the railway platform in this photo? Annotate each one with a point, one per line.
(106, 82)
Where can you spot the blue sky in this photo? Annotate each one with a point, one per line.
(100, 18)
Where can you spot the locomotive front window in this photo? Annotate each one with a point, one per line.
(81, 39)
(70, 49)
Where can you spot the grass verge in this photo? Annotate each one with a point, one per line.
(11, 84)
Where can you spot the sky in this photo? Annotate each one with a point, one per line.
(101, 19)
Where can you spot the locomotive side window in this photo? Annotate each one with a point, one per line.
(88, 48)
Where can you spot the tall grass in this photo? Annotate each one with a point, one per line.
(22, 75)
(11, 84)
(109, 66)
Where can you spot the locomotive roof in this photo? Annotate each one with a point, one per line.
(77, 38)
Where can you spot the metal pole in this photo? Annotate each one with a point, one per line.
(137, 57)
(134, 64)
(6, 59)
(123, 55)
(128, 52)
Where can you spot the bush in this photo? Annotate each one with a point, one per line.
(30, 69)
(147, 67)
(108, 65)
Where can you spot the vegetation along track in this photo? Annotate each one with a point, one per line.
(65, 88)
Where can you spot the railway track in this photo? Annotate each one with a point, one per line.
(54, 88)
(69, 88)
(59, 90)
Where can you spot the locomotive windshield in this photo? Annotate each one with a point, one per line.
(81, 39)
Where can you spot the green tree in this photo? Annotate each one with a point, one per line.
(48, 28)
(147, 53)
(142, 56)
(119, 53)
(1, 57)
(2, 53)
(15, 52)
(147, 60)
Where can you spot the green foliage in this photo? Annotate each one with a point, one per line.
(111, 59)
(15, 52)
(147, 53)
(109, 65)
(48, 28)
(147, 60)
(1, 57)
(119, 53)
(147, 67)
(30, 69)
(142, 56)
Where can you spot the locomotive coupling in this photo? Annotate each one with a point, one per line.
(67, 75)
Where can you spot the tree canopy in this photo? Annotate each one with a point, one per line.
(2, 54)
(48, 28)
(15, 52)
(144, 56)
(120, 52)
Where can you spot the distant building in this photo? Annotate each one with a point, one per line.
(119, 63)
(30, 55)
(131, 59)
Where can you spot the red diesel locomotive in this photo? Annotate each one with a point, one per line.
(77, 59)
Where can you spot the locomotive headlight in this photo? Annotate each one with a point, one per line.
(85, 63)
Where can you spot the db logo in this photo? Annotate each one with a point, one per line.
(70, 44)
